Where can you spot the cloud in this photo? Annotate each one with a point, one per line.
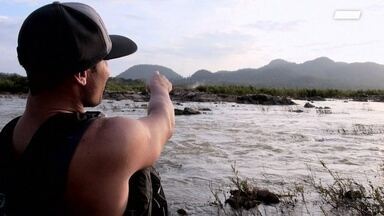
(210, 45)
(268, 25)
(3, 19)
(314, 44)
(379, 7)
(349, 45)
(133, 17)
(9, 27)
(23, 2)
(8, 22)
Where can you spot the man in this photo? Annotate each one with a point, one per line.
(56, 159)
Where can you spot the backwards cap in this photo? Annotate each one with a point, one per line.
(67, 38)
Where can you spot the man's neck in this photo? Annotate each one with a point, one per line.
(49, 103)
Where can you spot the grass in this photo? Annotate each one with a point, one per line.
(299, 93)
(349, 196)
(124, 85)
(340, 196)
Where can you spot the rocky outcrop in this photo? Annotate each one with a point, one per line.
(264, 99)
(204, 109)
(362, 98)
(297, 111)
(313, 98)
(251, 198)
(309, 105)
(134, 96)
(197, 96)
(378, 98)
(323, 110)
(182, 212)
(183, 95)
(187, 111)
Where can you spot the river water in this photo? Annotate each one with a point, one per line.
(268, 144)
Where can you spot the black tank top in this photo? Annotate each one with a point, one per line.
(35, 183)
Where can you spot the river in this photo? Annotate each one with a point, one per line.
(268, 144)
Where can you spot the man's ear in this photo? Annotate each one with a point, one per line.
(81, 77)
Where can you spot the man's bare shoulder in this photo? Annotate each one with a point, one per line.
(113, 141)
(103, 162)
(120, 132)
(117, 128)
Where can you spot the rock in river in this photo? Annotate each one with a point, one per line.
(248, 199)
(264, 99)
(187, 111)
(309, 105)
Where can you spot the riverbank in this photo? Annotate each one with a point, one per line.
(257, 97)
(196, 95)
(183, 95)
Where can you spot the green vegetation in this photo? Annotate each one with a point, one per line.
(13, 83)
(293, 93)
(16, 84)
(124, 85)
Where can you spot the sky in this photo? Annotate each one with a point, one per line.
(189, 35)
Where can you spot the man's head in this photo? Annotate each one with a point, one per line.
(61, 39)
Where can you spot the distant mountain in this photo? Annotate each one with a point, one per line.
(201, 77)
(318, 73)
(201, 74)
(146, 71)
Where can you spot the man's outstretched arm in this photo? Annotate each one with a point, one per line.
(160, 121)
(142, 140)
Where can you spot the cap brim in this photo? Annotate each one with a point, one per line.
(121, 46)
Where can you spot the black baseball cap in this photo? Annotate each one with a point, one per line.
(64, 38)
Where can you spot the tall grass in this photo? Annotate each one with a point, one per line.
(348, 196)
(311, 196)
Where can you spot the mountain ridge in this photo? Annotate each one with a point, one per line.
(321, 72)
